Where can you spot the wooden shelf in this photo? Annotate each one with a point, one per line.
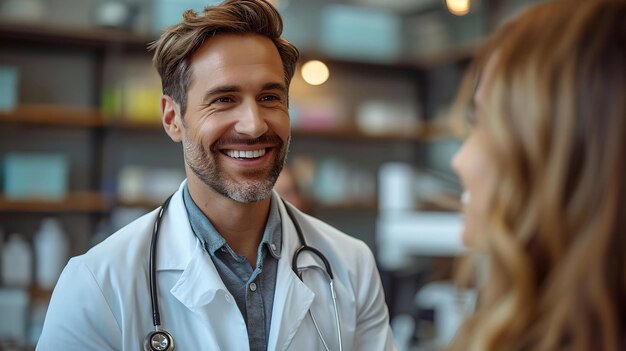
(122, 123)
(441, 202)
(81, 37)
(66, 116)
(428, 131)
(53, 115)
(86, 202)
(73, 202)
(82, 202)
(142, 203)
(40, 294)
(347, 135)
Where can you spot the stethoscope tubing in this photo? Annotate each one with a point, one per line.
(154, 298)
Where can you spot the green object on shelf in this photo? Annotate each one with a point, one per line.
(111, 103)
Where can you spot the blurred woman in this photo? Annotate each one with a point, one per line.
(544, 173)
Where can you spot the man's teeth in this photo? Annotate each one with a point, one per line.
(245, 154)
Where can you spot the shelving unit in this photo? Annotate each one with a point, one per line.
(98, 47)
(97, 202)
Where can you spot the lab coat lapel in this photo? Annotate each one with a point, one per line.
(199, 282)
(201, 290)
(292, 298)
(179, 249)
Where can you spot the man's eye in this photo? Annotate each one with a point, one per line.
(270, 98)
(223, 100)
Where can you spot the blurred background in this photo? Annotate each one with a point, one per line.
(82, 151)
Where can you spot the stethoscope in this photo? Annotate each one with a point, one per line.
(161, 340)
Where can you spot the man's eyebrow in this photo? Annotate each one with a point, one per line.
(233, 89)
(220, 90)
(275, 86)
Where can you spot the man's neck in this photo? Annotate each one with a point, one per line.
(240, 224)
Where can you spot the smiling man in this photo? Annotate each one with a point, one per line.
(224, 264)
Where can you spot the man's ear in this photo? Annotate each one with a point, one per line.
(171, 118)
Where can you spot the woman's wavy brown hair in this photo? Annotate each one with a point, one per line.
(179, 42)
(555, 243)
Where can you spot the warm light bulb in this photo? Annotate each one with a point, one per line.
(315, 72)
(458, 7)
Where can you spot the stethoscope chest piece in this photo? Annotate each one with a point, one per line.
(159, 340)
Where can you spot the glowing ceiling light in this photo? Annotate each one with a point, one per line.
(458, 7)
(315, 72)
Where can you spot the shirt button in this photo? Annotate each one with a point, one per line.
(273, 247)
(252, 287)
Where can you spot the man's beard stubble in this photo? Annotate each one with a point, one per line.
(206, 167)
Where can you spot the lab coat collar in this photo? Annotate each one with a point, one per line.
(180, 249)
(177, 241)
(292, 298)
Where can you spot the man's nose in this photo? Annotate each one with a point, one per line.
(251, 121)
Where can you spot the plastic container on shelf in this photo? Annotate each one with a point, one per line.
(395, 191)
(17, 262)
(52, 252)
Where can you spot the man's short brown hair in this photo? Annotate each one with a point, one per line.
(179, 42)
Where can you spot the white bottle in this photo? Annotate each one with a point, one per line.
(17, 262)
(52, 250)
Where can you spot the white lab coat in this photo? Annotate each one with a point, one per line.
(102, 299)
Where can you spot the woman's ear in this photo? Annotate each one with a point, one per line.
(171, 118)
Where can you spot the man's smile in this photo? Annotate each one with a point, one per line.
(245, 154)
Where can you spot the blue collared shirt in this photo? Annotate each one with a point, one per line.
(253, 289)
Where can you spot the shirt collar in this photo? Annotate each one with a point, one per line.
(272, 237)
(212, 240)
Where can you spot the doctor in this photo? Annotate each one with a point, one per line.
(222, 263)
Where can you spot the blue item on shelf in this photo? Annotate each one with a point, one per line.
(360, 33)
(9, 78)
(35, 175)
